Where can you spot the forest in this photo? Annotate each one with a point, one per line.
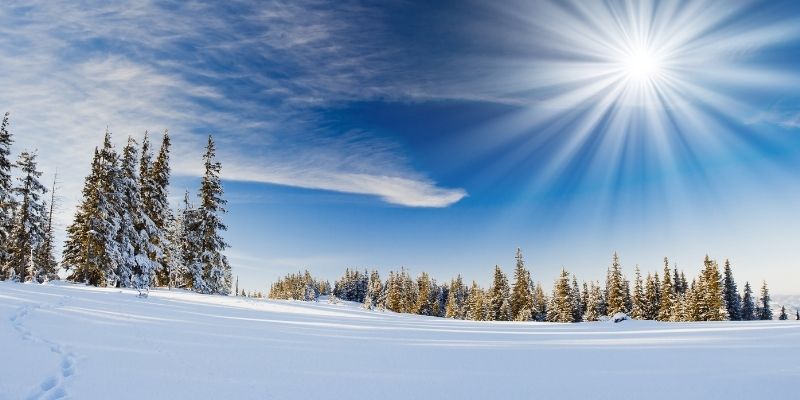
(711, 296)
(124, 232)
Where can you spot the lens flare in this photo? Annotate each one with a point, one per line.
(642, 64)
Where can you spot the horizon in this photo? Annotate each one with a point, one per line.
(439, 137)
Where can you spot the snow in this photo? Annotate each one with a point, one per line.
(70, 341)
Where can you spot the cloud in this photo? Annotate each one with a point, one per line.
(783, 118)
(254, 74)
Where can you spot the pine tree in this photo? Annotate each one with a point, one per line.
(712, 308)
(539, 303)
(783, 316)
(593, 309)
(676, 280)
(561, 303)
(176, 261)
(651, 297)
(731, 294)
(440, 294)
(161, 214)
(667, 295)
(91, 251)
(215, 267)
(456, 298)
(748, 304)
(684, 283)
(135, 267)
(394, 296)
(476, 310)
(639, 305)
(408, 291)
(615, 288)
(45, 259)
(764, 306)
(373, 297)
(28, 230)
(584, 298)
(499, 307)
(694, 298)
(7, 203)
(424, 304)
(577, 302)
(521, 295)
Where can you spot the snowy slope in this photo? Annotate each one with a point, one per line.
(78, 342)
(791, 302)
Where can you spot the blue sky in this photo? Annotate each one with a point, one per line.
(442, 136)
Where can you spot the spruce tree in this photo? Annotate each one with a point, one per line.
(731, 294)
(408, 291)
(593, 309)
(91, 251)
(577, 302)
(539, 303)
(177, 264)
(694, 299)
(712, 304)
(676, 279)
(521, 295)
(783, 316)
(667, 295)
(45, 259)
(797, 315)
(615, 288)
(639, 305)
(764, 306)
(499, 307)
(424, 304)
(215, 267)
(28, 229)
(7, 203)
(475, 303)
(651, 303)
(584, 298)
(561, 303)
(394, 296)
(372, 299)
(441, 294)
(748, 304)
(161, 214)
(189, 240)
(455, 299)
(135, 267)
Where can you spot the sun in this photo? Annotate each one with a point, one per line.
(642, 64)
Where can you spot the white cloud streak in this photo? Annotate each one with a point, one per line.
(256, 79)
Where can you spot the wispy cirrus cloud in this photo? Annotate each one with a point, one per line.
(256, 74)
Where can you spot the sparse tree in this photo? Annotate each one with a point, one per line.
(764, 306)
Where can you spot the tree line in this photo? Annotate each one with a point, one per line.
(666, 295)
(124, 232)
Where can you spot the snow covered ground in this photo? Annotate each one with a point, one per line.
(70, 341)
